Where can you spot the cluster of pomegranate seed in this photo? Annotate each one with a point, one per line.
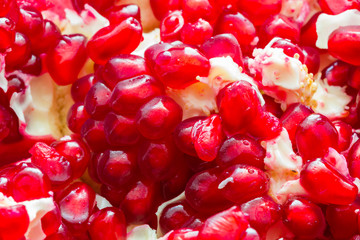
(272, 152)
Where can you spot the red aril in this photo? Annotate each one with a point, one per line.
(207, 136)
(195, 9)
(97, 101)
(241, 183)
(50, 37)
(171, 26)
(108, 223)
(113, 195)
(312, 59)
(314, 135)
(7, 33)
(272, 106)
(117, 14)
(81, 87)
(19, 53)
(265, 126)
(345, 134)
(239, 26)
(241, 149)
(51, 221)
(14, 222)
(115, 39)
(61, 234)
(353, 159)
(100, 6)
(304, 218)
(354, 80)
(121, 67)
(179, 66)
(308, 34)
(326, 185)
(223, 45)
(130, 94)
(69, 54)
(229, 224)
(158, 117)
(15, 85)
(238, 105)
(33, 66)
(93, 133)
(259, 10)
(182, 234)
(76, 117)
(335, 7)
(117, 168)
(120, 130)
(175, 185)
(162, 7)
(262, 213)
(30, 22)
(337, 73)
(289, 48)
(9, 124)
(197, 32)
(344, 44)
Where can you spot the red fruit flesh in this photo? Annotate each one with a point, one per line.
(312, 59)
(207, 136)
(108, 223)
(50, 37)
(336, 7)
(33, 66)
(314, 135)
(241, 183)
(238, 105)
(115, 39)
(265, 126)
(81, 87)
(7, 33)
(337, 73)
(259, 10)
(30, 22)
(345, 134)
(195, 9)
(96, 101)
(162, 7)
(20, 52)
(121, 67)
(175, 185)
(326, 185)
(229, 224)
(76, 117)
(344, 44)
(70, 54)
(14, 222)
(289, 48)
(93, 133)
(100, 6)
(308, 35)
(304, 218)
(117, 14)
(196, 33)
(171, 26)
(51, 221)
(353, 159)
(158, 117)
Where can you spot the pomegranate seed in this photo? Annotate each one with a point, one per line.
(96, 101)
(312, 59)
(308, 34)
(265, 126)
(272, 106)
(203, 194)
(229, 224)
(49, 39)
(304, 218)
(223, 45)
(113, 195)
(15, 85)
(30, 22)
(115, 39)
(14, 222)
(75, 151)
(117, 14)
(337, 73)
(183, 234)
(76, 205)
(158, 159)
(9, 127)
(100, 6)
(158, 117)
(196, 9)
(262, 213)
(343, 220)
(279, 26)
(182, 135)
(353, 159)
(171, 26)
(154, 50)
(61, 234)
(289, 48)
(258, 10)
(7, 33)
(111, 223)
(241, 183)
(197, 165)
(336, 7)
(344, 43)
(293, 116)
(139, 202)
(19, 52)
(197, 32)
(238, 105)
(354, 80)
(239, 26)
(76, 117)
(33, 66)
(179, 66)
(250, 234)
(69, 54)
(120, 130)
(93, 166)
(81, 87)
(121, 67)
(5, 6)
(176, 216)
(29, 183)
(207, 136)
(55, 166)
(117, 168)
(314, 135)
(175, 185)
(51, 221)
(241, 149)
(93, 133)
(345, 134)
(162, 7)
(326, 185)
(130, 94)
